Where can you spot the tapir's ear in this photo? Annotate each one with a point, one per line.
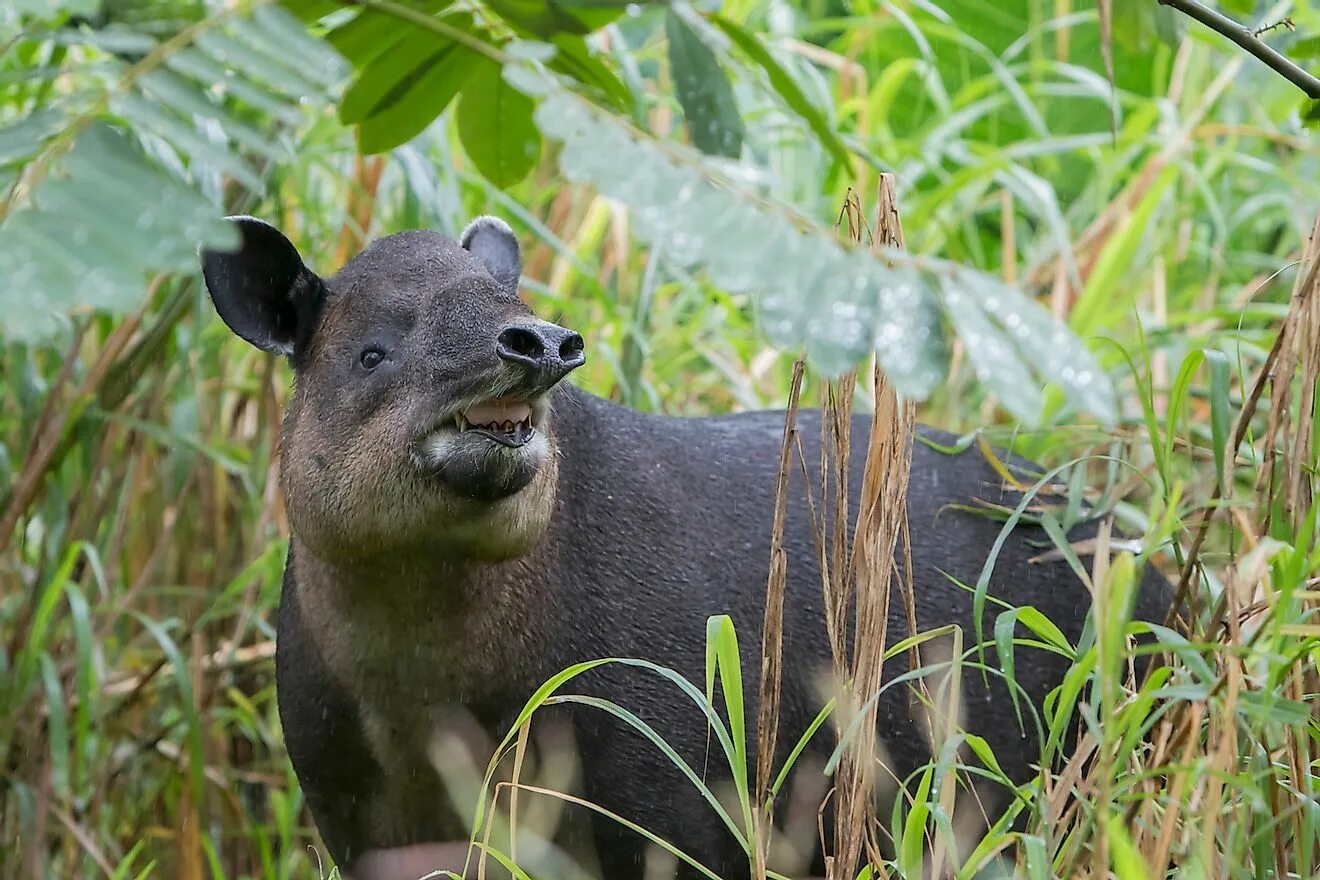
(492, 241)
(263, 291)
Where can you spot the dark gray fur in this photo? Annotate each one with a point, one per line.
(397, 605)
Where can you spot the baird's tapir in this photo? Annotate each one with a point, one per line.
(465, 524)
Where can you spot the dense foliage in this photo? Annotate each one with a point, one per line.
(1099, 269)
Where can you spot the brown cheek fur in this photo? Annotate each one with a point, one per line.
(357, 495)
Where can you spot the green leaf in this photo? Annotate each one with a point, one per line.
(1305, 49)
(1105, 298)
(1221, 413)
(557, 17)
(372, 33)
(496, 128)
(1004, 625)
(575, 58)
(23, 138)
(423, 101)
(894, 303)
(785, 86)
(129, 217)
(542, 19)
(914, 828)
(387, 79)
(1126, 858)
(311, 10)
(1137, 23)
(703, 91)
(1239, 7)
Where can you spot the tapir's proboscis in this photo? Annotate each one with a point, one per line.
(465, 524)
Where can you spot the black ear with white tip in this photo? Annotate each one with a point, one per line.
(492, 241)
(263, 291)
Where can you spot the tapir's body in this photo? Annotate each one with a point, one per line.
(650, 525)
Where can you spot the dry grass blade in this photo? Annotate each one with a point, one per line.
(772, 634)
(1299, 350)
(881, 520)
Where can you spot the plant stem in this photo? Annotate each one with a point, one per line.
(1245, 38)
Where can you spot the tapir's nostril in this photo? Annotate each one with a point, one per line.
(571, 348)
(545, 352)
(522, 342)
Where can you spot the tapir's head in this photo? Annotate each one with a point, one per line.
(421, 413)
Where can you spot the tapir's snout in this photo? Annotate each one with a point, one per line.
(545, 352)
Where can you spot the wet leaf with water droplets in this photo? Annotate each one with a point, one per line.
(704, 91)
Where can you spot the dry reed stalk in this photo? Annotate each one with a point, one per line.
(866, 571)
(1286, 479)
(1300, 339)
(772, 634)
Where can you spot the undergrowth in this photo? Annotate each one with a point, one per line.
(142, 535)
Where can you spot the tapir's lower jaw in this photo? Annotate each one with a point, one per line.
(477, 466)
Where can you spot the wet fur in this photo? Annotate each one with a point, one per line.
(407, 608)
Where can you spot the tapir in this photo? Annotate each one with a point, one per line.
(465, 523)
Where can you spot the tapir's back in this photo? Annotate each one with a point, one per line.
(669, 521)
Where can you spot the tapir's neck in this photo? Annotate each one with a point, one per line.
(470, 625)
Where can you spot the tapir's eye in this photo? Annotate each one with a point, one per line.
(371, 358)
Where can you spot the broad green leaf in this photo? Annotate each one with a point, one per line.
(998, 363)
(703, 90)
(204, 69)
(128, 218)
(419, 105)
(311, 10)
(392, 77)
(1305, 49)
(249, 58)
(25, 137)
(575, 58)
(496, 127)
(541, 18)
(1138, 24)
(371, 33)
(785, 86)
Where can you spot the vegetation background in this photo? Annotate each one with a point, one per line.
(1162, 213)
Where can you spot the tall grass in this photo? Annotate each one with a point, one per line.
(142, 531)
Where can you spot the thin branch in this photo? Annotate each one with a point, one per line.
(1244, 37)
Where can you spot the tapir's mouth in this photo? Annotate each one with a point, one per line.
(487, 448)
(506, 420)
